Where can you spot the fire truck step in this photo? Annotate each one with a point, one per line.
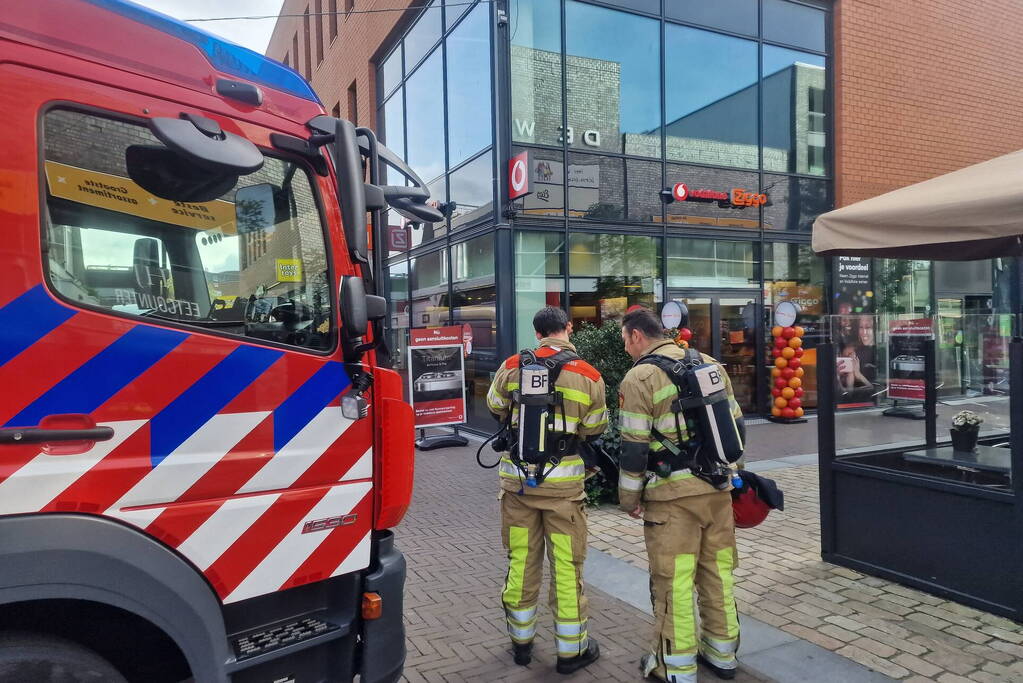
(257, 643)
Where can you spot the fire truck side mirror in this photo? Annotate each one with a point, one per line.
(354, 311)
(351, 192)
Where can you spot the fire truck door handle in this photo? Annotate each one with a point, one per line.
(19, 435)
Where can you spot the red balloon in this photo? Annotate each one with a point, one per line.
(781, 342)
(788, 332)
(776, 353)
(776, 392)
(794, 403)
(788, 413)
(799, 352)
(799, 392)
(794, 363)
(781, 382)
(686, 334)
(787, 373)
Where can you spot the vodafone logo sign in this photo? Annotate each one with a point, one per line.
(518, 176)
(680, 192)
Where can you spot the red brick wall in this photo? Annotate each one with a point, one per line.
(348, 57)
(923, 88)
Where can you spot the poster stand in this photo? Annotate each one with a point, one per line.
(435, 441)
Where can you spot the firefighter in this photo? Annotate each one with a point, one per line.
(688, 523)
(543, 507)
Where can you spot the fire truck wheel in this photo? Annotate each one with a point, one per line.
(48, 659)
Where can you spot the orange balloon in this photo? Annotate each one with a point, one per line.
(776, 331)
(800, 372)
(795, 382)
(788, 392)
(799, 412)
(780, 402)
(795, 342)
(799, 331)
(776, 412)
(775, 372)
(780, 362)
(787, 352)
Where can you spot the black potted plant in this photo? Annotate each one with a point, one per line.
(965, 429)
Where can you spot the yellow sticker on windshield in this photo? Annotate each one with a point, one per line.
(123, 195)
(289, 270)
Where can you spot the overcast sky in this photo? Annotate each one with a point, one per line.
(252, 33)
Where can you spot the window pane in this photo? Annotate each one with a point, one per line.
(393, 118)
(251, 262)
(390, 72)
(423, 36)
(794, 111)
(539, 280)
(536, 72)
(609, 273)
(648, 6)
(787, 22)
(614, 80)
(711, 110)
(453, 10)
(710, 197)
(426, 118)
(547, 174)
(427, 232)
(398, 234)
(475, 306)
(398, 318)
(643, 187)
(429, 281)
(698, 263)
(469, 104)
(739, 16)
(596, 187)
(794, 203)
(472, 190)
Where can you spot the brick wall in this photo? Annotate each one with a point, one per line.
(924, 88)
(348, 58)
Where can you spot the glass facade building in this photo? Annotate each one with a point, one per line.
(615, 104)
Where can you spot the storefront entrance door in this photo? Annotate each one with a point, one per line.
(724, 325)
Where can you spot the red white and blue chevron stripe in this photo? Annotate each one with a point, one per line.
(222, 450)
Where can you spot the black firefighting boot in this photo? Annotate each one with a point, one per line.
(725, 674)
(569, 665)
(523, 653)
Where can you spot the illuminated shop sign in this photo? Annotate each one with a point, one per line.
(737, 197)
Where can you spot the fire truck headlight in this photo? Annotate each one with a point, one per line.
(354, 407)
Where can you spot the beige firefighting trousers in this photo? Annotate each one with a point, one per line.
(690, 543)
(529, 524)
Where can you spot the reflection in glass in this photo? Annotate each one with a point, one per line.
(393, 117)
(699, 263)
(713, 206)
(609, 273)
(794, 203)
(475, 307)
(536, 72)
(472, 190)
(738, 16)
(429, 280)
(453, 9)
(596, 187)
(398, 318)
(794, 111)
(787, 22)
(469, 106)
(390, 72)
(423, 36)
(642, 190)
(539, 279)
(427, 232)
(712, 108)
(425, 118)
(547, 175)
(613, 75)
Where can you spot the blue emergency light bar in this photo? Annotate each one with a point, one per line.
(224, 56)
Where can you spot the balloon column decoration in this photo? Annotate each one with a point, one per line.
(683, 337)
(787, 373)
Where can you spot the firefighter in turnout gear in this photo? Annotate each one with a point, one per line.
(542, 495)
(688, 523)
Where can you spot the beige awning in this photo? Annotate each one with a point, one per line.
(972, 213)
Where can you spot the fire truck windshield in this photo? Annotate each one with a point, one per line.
(252, 262)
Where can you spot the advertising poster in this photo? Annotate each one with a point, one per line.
(906, 358)
(437, 375)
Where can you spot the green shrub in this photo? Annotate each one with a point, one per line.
(602, 348)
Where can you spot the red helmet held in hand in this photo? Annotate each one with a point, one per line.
(748, 508)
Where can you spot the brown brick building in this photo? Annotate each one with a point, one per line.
(765, 113)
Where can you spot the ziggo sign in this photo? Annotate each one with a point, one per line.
(737, 197)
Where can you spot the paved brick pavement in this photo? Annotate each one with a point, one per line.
(897, 631)
(450, 538)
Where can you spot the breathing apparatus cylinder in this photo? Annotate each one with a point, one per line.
(534, 405)
(716, 425)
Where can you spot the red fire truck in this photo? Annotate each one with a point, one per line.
(200, 457)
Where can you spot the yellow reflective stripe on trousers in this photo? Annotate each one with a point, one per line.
(726, 563)
(564, 578)
(630, 482)
(570, 469)
(721, 658)
(677, 475)
(682, 617)
(518, 548)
